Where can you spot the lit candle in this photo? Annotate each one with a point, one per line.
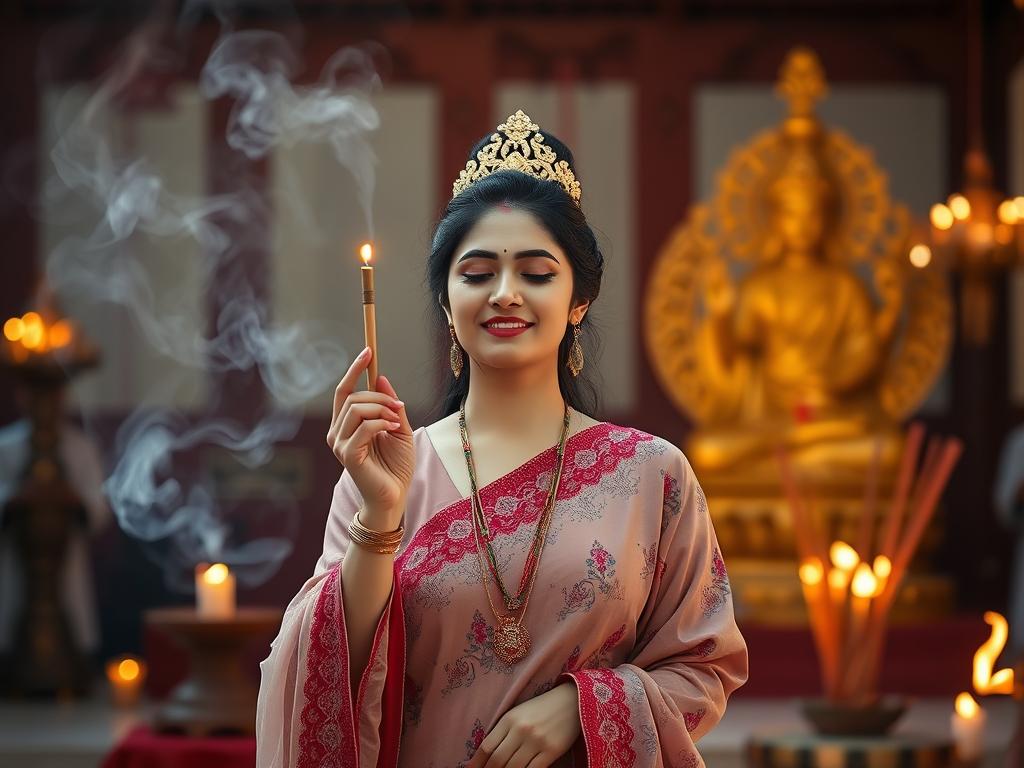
(812, 578)
(882, 568)
(864, 586)
(844, 559)
(126, 675)
(960, 206)
(838, 583)
(215, 591)
(843, 556)
(369, 314)
(968, 725)
(811, 575)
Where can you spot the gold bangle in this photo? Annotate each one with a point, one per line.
(381, 542)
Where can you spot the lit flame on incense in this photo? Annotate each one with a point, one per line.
(369, 314)
(985, 682)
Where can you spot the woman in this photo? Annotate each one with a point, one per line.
(517, 584)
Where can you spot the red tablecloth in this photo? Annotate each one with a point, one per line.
(142, 748)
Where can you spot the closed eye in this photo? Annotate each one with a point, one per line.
(479, 277)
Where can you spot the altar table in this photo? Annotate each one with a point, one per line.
(143, 748)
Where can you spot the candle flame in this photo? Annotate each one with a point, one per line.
(960, 207)
(941, 216)
(811, 571)
(128, 669)
(14, 329)
(882, 567)
(843, 556)
(920, 256)
(216, 574)
(1008, 213)
(366, 253)
(864, 582)
(125, 669)
(838, 578)
(985, 681)
(31, 332)
(966, 706)
(60, 334)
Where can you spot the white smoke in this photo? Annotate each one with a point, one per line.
(148, 489)
(152, 509)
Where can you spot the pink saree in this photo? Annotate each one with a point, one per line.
(631, 602)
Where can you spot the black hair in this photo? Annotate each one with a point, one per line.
(556, 211)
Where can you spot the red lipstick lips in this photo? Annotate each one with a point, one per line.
(509, 330)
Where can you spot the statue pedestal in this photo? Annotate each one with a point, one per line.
(754, 524)
(768, 592)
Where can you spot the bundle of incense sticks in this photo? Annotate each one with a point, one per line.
(850, 592)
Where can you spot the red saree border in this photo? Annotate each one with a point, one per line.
(434, 538)
(328, 734)
(393, 702)
(604, 717)
(329, 726)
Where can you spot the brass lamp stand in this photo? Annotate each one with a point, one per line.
(44, 512)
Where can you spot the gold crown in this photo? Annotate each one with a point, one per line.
(518, 145)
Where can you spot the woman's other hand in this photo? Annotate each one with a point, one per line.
(371, 436)
(535, 733)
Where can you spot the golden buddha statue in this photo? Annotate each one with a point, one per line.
(784, 313)
(793, 355)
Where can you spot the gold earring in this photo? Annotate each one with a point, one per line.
(456, 353)
(575, 360)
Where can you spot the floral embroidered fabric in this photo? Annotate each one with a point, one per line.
(631, 605)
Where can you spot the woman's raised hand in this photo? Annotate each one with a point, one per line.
(371, 436)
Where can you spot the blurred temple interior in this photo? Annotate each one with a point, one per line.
(184, 189)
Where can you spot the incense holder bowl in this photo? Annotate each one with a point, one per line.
(830, 718)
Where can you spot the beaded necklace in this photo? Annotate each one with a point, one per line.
(511, 640)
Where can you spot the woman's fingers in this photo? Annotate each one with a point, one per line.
(341, 409)
(347, 385)
(383, 385)
(359, 412)
(365, 432)
(352, 452)
(521, 757)
(487, 746)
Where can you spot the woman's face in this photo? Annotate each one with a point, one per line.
(509, 265)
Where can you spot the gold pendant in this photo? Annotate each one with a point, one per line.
(511, 640)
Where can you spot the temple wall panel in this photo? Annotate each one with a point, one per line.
(165, 286)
